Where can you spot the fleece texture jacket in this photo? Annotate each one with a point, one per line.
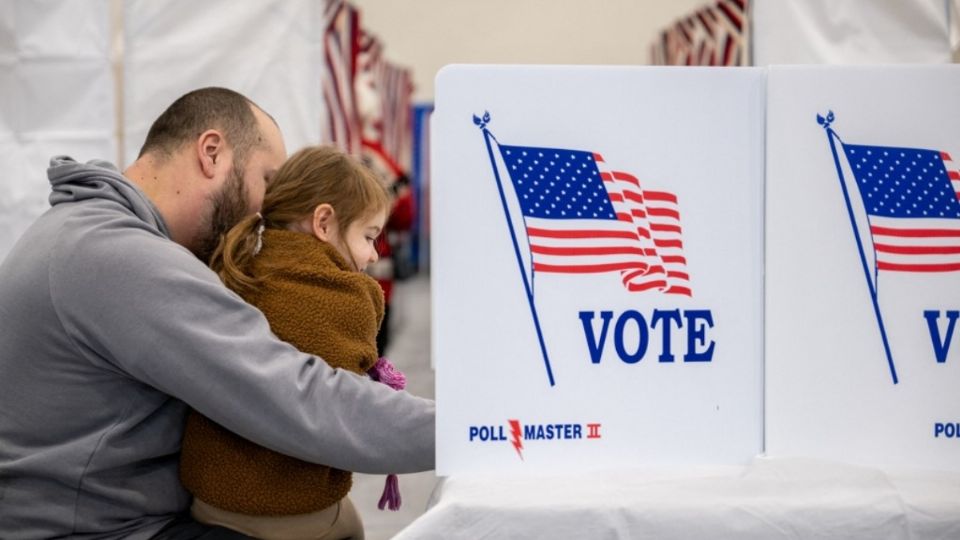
(316, 302)
(110, 331)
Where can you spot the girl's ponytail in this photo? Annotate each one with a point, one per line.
(312, 176)
(233, 258)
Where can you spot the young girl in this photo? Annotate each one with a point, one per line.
(301, 262)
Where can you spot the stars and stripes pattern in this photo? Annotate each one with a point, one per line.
(714, 35)
(582, 217)
(397, 91)
(911, 198)
(348, 51)
(391, 136)
(341, 45)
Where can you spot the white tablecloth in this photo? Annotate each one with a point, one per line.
(767, 499)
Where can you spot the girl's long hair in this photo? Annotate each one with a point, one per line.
(313, 176)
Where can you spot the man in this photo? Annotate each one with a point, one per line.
(112, 325)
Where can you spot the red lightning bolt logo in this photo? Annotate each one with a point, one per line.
(515, 432)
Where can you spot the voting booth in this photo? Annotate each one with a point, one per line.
(597, 267)
(696, 302)
(863, 264)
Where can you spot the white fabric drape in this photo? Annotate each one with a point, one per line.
(954, 8)
(270, 50)
(851, 31)
(56, 97)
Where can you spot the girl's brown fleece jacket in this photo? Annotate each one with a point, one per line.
(316, 302)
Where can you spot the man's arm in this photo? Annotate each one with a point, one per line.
(146, 306)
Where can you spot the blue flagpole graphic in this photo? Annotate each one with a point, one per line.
(831, 135)
(487, 136)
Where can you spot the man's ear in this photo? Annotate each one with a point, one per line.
(324, 222)
(211, 151)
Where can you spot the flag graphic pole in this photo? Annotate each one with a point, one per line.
(831, 135)
(487, 136)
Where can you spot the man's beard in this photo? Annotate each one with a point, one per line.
(229, 207)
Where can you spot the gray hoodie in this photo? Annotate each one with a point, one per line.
(109, 330)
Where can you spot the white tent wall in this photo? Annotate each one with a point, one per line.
(853, 31)
(56, 97)
(76, 75)
(270, 50)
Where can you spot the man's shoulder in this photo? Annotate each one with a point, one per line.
(103, 240)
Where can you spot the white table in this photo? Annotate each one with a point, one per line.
(767, 499)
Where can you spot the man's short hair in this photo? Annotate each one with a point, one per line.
(200, 110)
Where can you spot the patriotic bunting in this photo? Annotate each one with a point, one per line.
(715, 35)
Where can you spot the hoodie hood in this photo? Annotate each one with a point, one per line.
(71, 181)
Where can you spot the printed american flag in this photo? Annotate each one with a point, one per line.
(911, 198)
(581, 217)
